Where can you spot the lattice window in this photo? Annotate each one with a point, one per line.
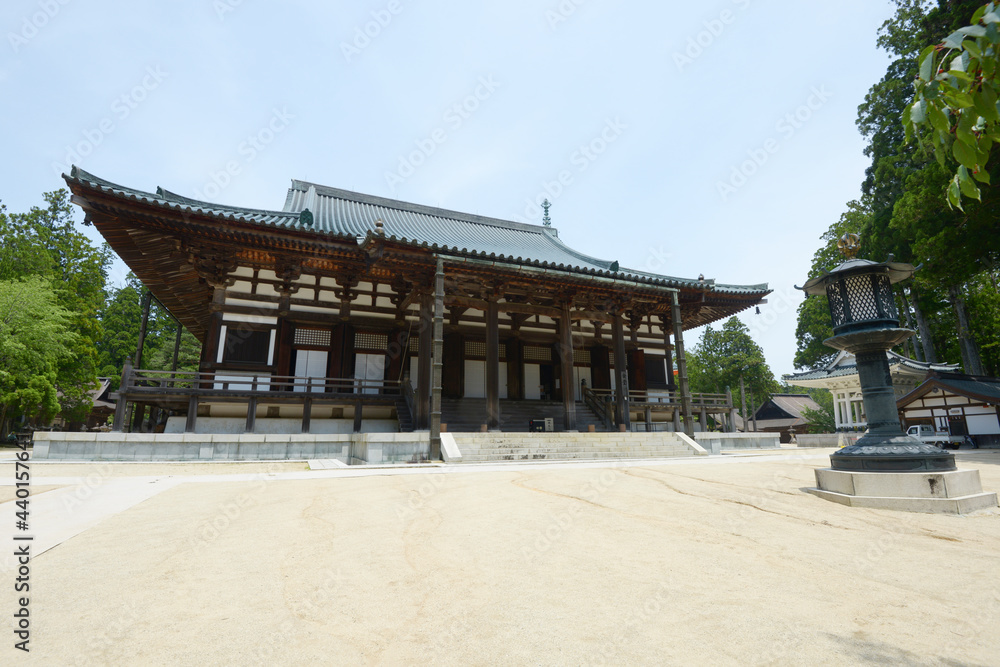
(883, 292)
(312, 337)
(860, 298)
(581, 357)
(476, 349)
(366, 341)
(537, 353)
(864, 297)
(611, 359)
(247, 346)
(836, 298)
(415, 344)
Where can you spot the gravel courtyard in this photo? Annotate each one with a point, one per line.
(695, 562)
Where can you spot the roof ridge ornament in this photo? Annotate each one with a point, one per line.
(546, 220)
(849, 245)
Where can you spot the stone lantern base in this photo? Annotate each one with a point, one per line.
(951, 492)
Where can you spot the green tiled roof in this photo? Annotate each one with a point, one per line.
(342, 214)
(842, 370)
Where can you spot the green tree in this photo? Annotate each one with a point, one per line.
(722, 357)
(820, 421)
(814, 323)
(35, 342)
(955, 109)
(121, 319)
(904, 208)
(44, 242)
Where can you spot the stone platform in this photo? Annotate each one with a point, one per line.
(501, 447)
(952, 492)
(350, 448)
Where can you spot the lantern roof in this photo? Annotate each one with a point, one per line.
(897, 271)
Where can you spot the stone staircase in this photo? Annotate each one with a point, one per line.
(467, 415)
(404, 416)
(499, 447)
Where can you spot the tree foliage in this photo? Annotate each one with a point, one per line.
(121, 318)
(35, 343)
(70, 326)
(955, 109)
(723, 356)
(904, 209)
(44, 243)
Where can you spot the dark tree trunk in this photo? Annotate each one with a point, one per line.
(917, 352)
(924, 329)
(971, 360)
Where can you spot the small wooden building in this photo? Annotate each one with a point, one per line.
(343, 307)
(962, 405)
(783, 413)
(840, 376)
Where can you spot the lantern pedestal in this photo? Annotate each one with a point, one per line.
(884, 447)
(954, 492)
(885, 467)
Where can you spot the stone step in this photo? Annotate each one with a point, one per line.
(560, 457)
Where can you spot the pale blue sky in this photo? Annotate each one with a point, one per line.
(669, 97)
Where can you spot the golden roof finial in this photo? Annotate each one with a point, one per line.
(849, 244)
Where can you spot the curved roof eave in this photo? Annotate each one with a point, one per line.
(291, 220)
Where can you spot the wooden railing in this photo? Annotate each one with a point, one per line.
(648, 398)
(189, 383)
(408, 396)
(601, 406)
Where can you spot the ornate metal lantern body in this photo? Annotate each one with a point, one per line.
(866, 323)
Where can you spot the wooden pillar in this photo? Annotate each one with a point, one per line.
(637, 370)
(515, 369)
(307, 415)
(703, 419)
(137, 417)
(600, 367)
(682, 376)
(731, 427)
(358, 415)
(649, 419)
(283, 340)
(213, 334)
(435, 417)
(121, 403)
(251, 415)
(453, 365)
(395, 354)
(667, 350)
(142, 329)
(424, 352)
(342, 357)
(177, 347)
(492, 367)
(192, 415)
(566, 368)
(621, 374)
(743, 402)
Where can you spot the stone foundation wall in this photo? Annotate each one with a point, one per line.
(350, 448)
(826, 439)
(269, 425)
(716, 442)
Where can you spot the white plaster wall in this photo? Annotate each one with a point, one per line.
(532, 378)
(475, 379)
(236, 425)
(983, 424)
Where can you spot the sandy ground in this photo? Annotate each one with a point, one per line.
(722, 563)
